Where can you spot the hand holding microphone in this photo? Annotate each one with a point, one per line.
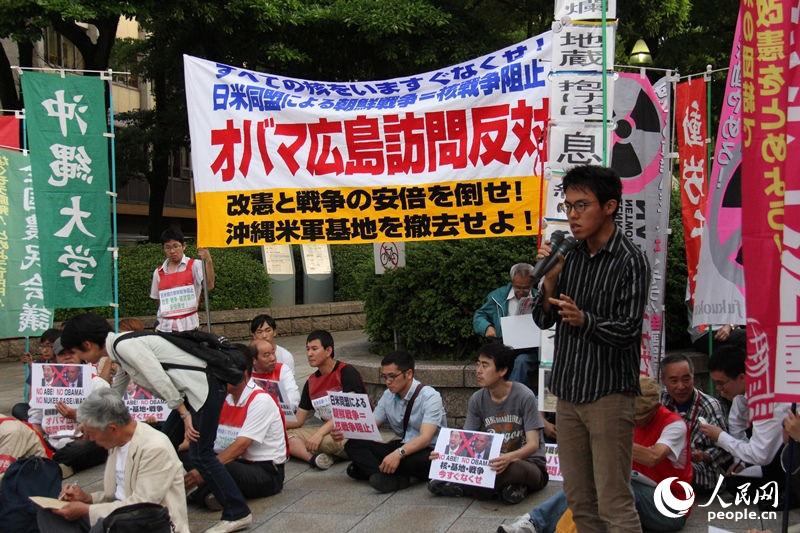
(550, 257)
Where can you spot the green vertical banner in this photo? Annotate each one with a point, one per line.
(66, 123)
(22, 302)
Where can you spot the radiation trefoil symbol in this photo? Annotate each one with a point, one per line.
(667, 504)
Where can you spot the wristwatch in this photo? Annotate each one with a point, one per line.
(402, 452)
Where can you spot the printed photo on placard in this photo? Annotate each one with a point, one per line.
(463, 457)
(275, 389)
(53, 383)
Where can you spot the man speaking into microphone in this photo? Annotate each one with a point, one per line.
(596, 295)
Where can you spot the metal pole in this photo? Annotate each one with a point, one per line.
(709, 156)
(115, 243)
(787, 494)
(205, 295)
(603, 7)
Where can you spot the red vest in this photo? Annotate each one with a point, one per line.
(261, 379)
(275, 375)
(231, 420)
(320, 385)
(648, 436)
(184, 278)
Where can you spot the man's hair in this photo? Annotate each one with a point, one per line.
(502, 355)
(103, 407)
(521, 269)
(131, 324)
(324, 337)
(86, 327)
(250, 352)
(676, 358)
(402, 359)
(50, 335)
(172, 234)
(260, 320)
(728, 359)
(604, 182)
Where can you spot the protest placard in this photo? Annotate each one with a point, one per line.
(464, 457)
(352, 415)
(276, 390)
(143, 405)
(553, 464)
(51, 384)
(519, 331)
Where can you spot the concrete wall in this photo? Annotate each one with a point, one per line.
(235, 324)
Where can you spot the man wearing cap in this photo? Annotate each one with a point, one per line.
(57, 425)
(660, 451)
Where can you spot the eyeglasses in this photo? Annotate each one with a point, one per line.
(579, 206)
(176, 246)
(390, 377)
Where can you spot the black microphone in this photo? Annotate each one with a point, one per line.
(565, 244)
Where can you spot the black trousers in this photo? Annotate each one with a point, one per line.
(367, 456)
(47, 522)
(255, 480)
(81, 454)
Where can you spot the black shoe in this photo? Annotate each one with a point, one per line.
(354, 472)
(389, 483)
(513, 494)
(444, 488)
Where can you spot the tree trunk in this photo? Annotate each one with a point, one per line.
(8, 90)
(159, 176)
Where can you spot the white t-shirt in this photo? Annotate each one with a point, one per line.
(284, 356)
(122, 460)
(673, 436)
(263, 425)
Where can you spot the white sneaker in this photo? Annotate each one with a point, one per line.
(523, 524)
(323, 461)
(226, 526)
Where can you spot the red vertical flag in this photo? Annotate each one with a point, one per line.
(9, 131)
(772, 328)
(692, 128)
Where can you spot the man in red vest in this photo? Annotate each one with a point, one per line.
(661, 452)
(314, 444)
(178, 284)
(268, 373)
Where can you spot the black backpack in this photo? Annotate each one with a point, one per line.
(138, 517)
(30, 476)
(225, 360)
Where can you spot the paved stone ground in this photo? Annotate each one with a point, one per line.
(330, 501)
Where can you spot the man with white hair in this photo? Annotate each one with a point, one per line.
(511, 299)
(142, 467)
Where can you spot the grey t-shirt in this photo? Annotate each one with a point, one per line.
(518, 413)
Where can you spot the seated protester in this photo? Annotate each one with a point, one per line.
(660, 451)
(264, 327)
(59, 428)
(182, 380)
(19, 440)
(389, 466)
(266, 367)
(763, 438)
(20, 410)
(251, 443)
(315, 445)
(682, 397)
(511, 409)
(142, 466)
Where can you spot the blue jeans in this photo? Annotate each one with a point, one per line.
(523, 364)
(545, 517)
(216, 476)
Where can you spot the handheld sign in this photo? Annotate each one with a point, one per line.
(276, 390)
(53, 383)
(353, 416)
(464, 457)
(143, 405)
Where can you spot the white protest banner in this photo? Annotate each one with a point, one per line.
(143, 405)
(67, 384)
(58, 427)
(278, 393)
(584, 9)
(451, 153)
(580, 47)
(352, 415)
(463, 457)
(553, 464)
(520, 331)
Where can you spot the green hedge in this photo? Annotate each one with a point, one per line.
(241, 281)
(353, 271)
(430, 303)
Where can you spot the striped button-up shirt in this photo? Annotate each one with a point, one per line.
(602, 356)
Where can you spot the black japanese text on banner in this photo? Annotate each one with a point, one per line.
(447, 154)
